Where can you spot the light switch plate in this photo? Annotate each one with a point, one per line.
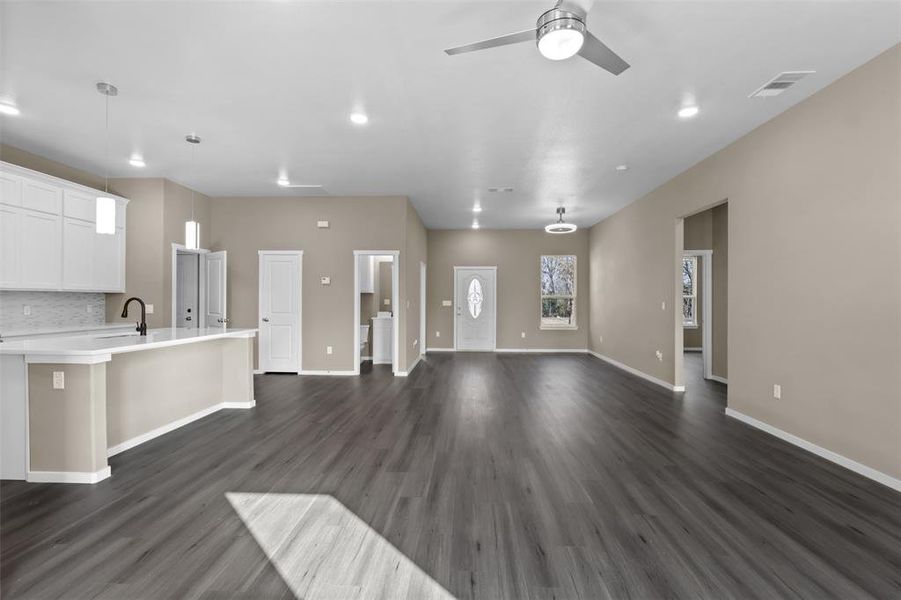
(322, 224)
(446, 303)
(437, 334)
(328, 349)
(386, 301)
(523, 334)
(149, 309)
(59, 380)
(325, 280)
(26, 310)
(777, 391)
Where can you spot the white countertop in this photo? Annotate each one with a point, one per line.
(99, 347)
(49, 331)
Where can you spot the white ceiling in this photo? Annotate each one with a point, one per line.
(269, 86)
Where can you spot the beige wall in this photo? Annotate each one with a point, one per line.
(814, 268)
(517, 254)
(720, 316)
(383, 285)
(243, 226)
(416, 252)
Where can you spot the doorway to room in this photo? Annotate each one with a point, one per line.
(703, 277)
(475, 309)
(199, 282)
(376, 331)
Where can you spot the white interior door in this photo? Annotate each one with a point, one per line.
(475, 308)
(187, 296)
(215, 286)
(280, 312)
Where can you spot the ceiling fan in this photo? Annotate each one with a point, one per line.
(560, 33)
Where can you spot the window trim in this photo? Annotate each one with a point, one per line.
(695, 322)
(575, 321)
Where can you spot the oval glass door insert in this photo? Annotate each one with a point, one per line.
(474, 297)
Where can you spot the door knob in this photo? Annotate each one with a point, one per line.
(265, 319)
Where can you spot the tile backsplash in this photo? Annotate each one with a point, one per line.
(50, 309)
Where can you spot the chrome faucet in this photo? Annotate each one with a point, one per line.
(142, 326)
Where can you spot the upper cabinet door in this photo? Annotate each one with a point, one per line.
(109, 262)
(41, 196)
(40, 252)
(78, 254)
(9, 246)
(10, 189)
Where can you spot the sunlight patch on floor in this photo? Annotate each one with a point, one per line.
(323, 550)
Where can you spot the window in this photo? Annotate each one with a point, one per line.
(689, 291)
(474, 298)
(558, 292)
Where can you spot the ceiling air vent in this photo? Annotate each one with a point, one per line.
(780, 83)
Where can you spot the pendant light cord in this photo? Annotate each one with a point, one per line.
(193, 171)
(106, 158)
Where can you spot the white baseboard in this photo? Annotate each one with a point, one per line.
(410, 370)
(692, 349)
(642, 374)
(720, 379)
(829, 455)
(329, 373)
(67, 476)
(155, 433)
(439, 349)
(542, 350)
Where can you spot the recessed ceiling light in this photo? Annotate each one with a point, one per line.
(622, 167)
(688, 112)
(136, 161)
(476, 209)
(475, 224)
(358, 118)
(283, 181)
(8, 108)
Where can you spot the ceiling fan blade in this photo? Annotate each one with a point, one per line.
(504, 40)
(597, 52)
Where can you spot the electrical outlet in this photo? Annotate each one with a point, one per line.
(325, 280)
(26, 310)
(408, 304)
(601, 339)
(523, 334)
(777, 391)
(663, 305)
(386, 301)
(149, 308)
(415, 342)
(59, 380)
(437, 334)
(328, 349)
(659, 355)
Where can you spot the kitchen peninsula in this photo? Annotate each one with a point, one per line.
(68, 403)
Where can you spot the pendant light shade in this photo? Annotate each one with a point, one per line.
(192, 227)
(105, 218)
(560, 226)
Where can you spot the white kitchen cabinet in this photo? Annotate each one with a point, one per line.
(78, 254)
(40, 250)
(367, 274)
(49, 237)
(10, 267)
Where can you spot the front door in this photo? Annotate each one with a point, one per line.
(474, 307)
(280, 312)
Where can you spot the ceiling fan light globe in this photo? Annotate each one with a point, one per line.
(560, 44)
(559, 228)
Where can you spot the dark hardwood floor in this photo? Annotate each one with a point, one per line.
(479, 476)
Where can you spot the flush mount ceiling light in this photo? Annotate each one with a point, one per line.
(283, 182)
(358, 118)
(560, 226)
(105, 206)
(687, 112)
(136, 161)
(192, 227)
(475, 224)
(477, 208)
(622, 167)
(8, 108)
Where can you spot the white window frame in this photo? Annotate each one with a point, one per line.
(693, 324)
(575, 323)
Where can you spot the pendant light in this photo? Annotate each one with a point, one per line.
(106, 205)
(560, 226)
(192, 227)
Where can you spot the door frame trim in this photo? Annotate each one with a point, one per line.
(423, 295)
(299, 255)
(201, 276)
(494, 334)
(395, 305)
